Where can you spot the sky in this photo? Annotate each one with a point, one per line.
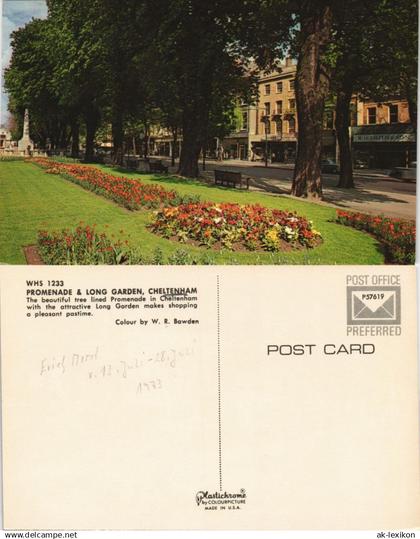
(14, 14)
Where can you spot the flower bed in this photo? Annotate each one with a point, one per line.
(132, 194)
(235, 227)
(397, 235)
(86, 246)
(11, 158)
(83, 246)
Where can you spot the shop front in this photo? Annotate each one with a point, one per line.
(236, 147)
(384, 146)
(278, 151)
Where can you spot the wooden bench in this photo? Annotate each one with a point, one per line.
(131, 163)
(229, 178)
(157, 166)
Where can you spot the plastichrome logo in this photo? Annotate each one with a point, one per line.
(221, 500)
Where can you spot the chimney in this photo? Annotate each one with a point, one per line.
(289, 61)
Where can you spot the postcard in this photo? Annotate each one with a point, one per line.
(209, 399)
(207, 282)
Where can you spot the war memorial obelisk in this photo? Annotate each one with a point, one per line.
(25, 143)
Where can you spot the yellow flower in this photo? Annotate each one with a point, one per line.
(169, 212)
(272, 235)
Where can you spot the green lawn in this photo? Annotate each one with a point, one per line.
(31, 200)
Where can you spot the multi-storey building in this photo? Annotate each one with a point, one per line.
(381, 133)
(383, 136)
(270, 126)
(275, 127)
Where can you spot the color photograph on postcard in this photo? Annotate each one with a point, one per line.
(183, 132)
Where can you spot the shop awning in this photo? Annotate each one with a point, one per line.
(383, 133)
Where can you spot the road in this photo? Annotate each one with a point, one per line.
(375, 192)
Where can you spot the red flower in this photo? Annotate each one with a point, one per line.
(397, 235)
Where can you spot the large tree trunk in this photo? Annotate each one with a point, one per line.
(190, 153)
(55, 135)
(342, 125)
(117, 140)
(412, 111)
(92, 121)
(191, 146)
(411, 96)
(174, 144)
(312, 87)
(146, 140)
(64, 137)
(75, 139)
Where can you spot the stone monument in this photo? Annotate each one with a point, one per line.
(25, 143)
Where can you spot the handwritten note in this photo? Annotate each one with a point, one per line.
(148, 370)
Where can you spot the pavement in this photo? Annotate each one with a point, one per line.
(375, 191)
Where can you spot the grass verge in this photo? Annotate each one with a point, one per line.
(31, 200)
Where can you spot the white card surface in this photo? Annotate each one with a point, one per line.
(209, 398)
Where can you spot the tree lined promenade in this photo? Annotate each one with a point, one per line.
(185, 65)
(374, 191)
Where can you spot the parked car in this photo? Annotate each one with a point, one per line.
(407, 174)
(329, 166)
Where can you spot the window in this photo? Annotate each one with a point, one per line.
(353, 117)
(292, 125)
(267, 126)
(393, 114)
(292, 104)
(245, 120)
(292, 85)
(279, 107)
(278, 126)
(279, 87)
(267, 89)
(267, 109)
(371, 115)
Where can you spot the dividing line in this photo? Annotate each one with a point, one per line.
(219, 392)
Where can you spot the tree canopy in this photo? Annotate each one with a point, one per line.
(186, 64)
